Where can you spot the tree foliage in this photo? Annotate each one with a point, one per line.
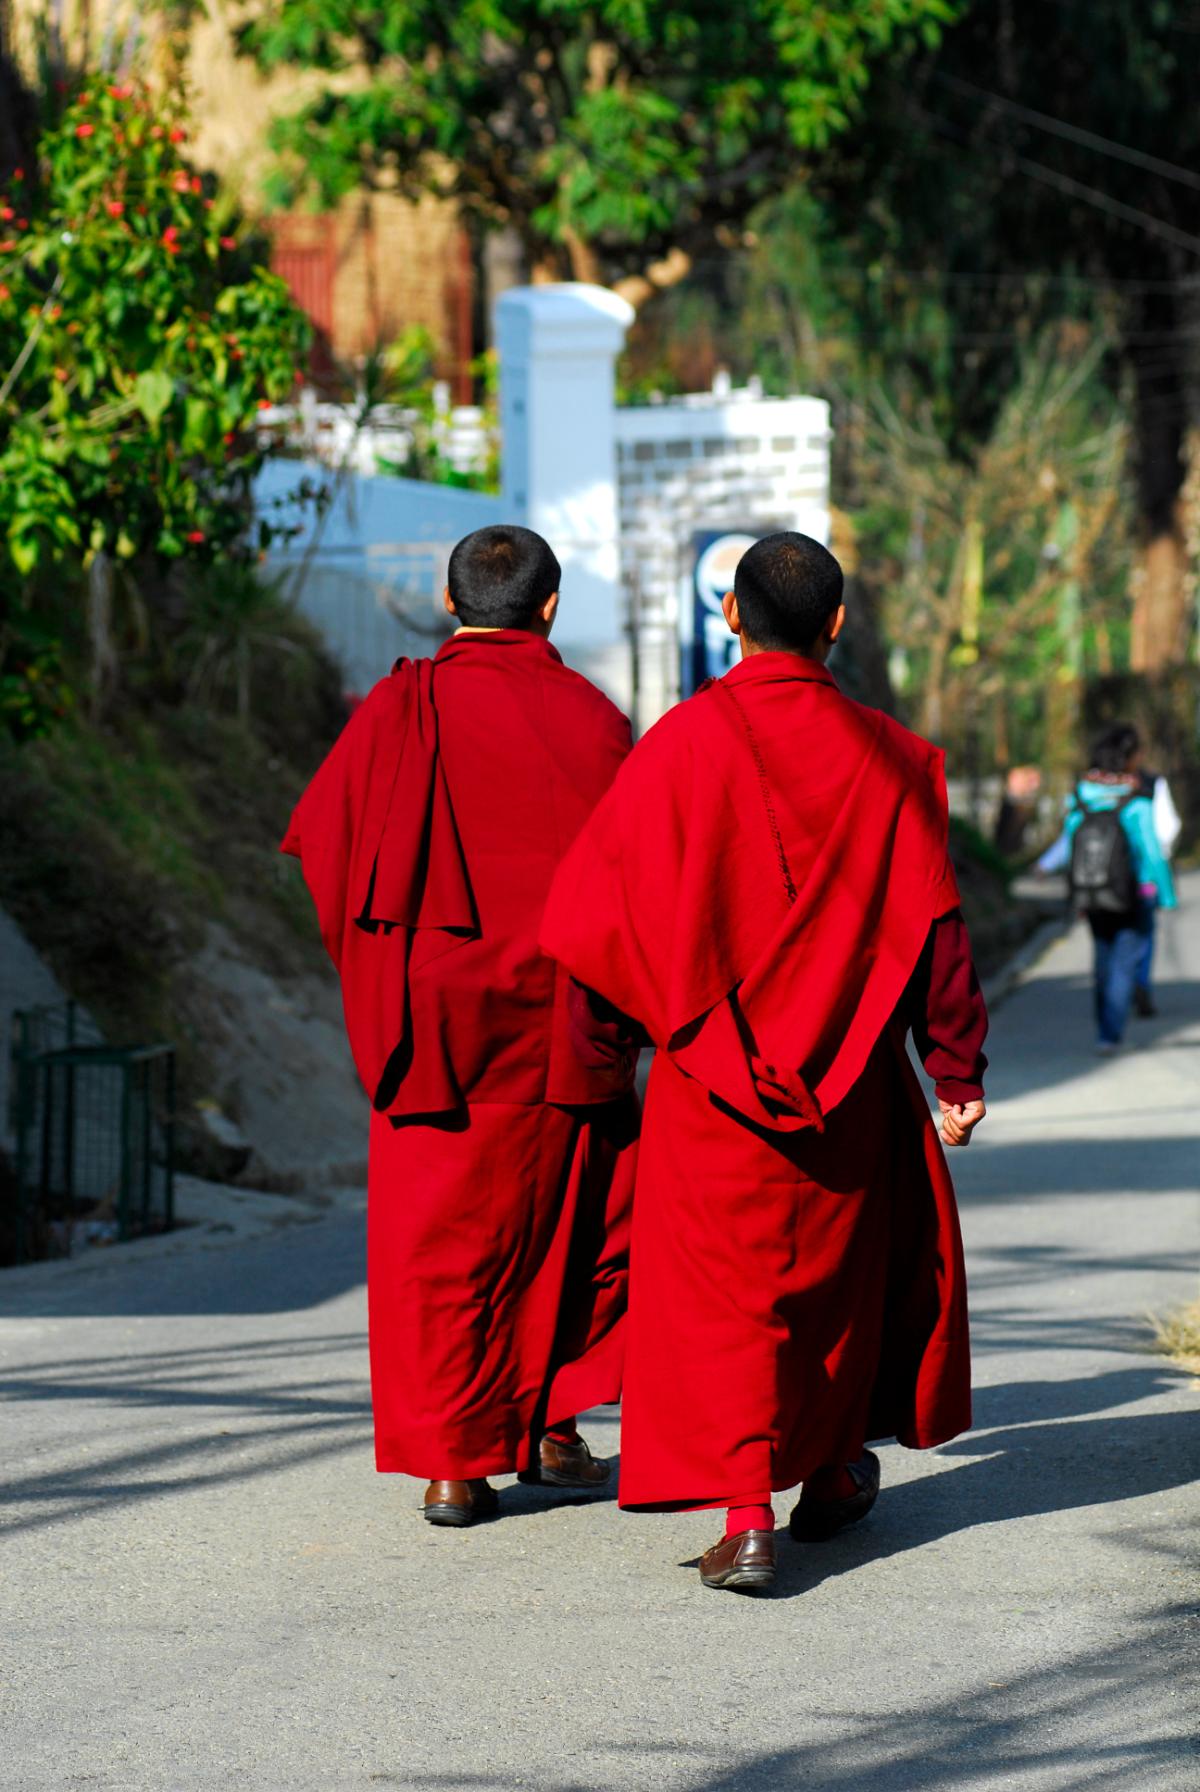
(138, 337)
(1041, 161)
(137, 340)
(608, 133)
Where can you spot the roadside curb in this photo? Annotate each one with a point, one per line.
(1002, 983)
(209, 1216)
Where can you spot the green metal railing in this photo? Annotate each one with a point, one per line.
(94, 1131)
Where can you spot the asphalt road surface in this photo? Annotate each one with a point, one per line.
(205, 1584)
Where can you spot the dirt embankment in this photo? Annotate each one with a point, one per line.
(141, 859)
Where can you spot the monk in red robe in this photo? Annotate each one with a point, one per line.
(766, 894)
(500, 1167)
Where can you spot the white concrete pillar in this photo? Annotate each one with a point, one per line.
(558, 347)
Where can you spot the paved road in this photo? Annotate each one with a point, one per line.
(206, 1586)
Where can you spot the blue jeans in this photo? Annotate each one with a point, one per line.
(1122, 944)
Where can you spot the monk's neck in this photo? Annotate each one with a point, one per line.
(750, 649)
(537, 634)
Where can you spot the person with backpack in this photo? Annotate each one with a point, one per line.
(1118, 873)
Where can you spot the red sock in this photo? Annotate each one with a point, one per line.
(565, 1432)
(831, 1484)
(749, 1518)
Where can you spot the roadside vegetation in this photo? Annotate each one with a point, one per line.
(161, 704)
(1178, 1336)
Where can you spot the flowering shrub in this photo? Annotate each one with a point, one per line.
(138, 337)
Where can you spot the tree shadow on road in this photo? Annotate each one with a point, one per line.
(1094, 1721)
(1045, 1033)
(292, 1270)
(1022, 1471)
(229, 1421)
(1018, 1169)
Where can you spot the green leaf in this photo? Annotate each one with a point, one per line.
(153, 391)
(24, 552)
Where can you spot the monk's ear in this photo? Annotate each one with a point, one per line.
(549, 611)
(448, 601)
(729, 610)
(836, 624)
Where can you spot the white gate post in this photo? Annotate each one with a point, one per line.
(558, 347)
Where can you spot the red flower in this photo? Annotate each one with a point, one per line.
(8, 245)
(229, 437)
(180, 182)
(264, 404)
(6, 212)
(122, 93)
(115, 208)
(85, 130)
(170, 240)
(178, 134)
(60, 374)
(195, 536)
(229, 242)
(5, 295)
(196, 183)
(18, 174)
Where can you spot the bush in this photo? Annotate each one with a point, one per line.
(138, 338)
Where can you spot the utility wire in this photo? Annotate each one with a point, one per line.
(1077, 189)
(1073, 133)
(1131, 214)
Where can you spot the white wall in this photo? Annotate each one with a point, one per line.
(721, 459)
(617, 493)
(558, 346)
(370, 573)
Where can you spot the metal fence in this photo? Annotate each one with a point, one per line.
(94, 1127)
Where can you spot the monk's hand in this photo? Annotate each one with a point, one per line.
(959, 1120)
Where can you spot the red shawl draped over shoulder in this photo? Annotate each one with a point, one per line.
(428, 839)
(758, 884)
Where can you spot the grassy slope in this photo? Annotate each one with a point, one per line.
(118, 844)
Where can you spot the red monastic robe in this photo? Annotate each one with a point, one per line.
(756, 890)
(501, 1169)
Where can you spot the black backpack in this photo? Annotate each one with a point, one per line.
(1101, 874)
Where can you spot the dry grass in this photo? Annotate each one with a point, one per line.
(1178, 1336)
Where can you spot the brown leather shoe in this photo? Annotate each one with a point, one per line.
(742, 1564)
(459, 1502)
(566, 1465)
(814, 1520)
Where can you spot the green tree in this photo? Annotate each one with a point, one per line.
(138, 338)
(616, 137)
(1041, 161)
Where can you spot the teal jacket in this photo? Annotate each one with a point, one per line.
(1137, 819)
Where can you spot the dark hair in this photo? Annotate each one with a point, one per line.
(500, 577)
(1114, 749)
(787, 587)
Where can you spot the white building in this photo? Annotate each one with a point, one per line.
(620, 494)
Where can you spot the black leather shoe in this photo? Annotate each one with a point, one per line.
(459, 1503)
(814, 1520)
(741, 1564)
